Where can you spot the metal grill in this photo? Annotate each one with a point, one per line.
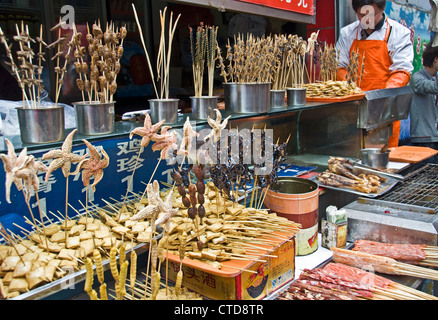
(420, 188)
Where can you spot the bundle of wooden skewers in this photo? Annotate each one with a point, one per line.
(28, 63)
(329, 59)
(227, 231)
(338, 281)
(98, 78)
(423, 255)
(160, 80)
(249, 60)
(203, 44)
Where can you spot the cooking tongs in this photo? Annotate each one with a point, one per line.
(359, 168)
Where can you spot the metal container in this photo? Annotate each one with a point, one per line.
(41, 125)
(203, 107)
(297, 199)
(296, 97)
(247, 97)
(164, 109)
(373, 157)
(94, 118)
(384, 106)
(278, 99)
(406, 214)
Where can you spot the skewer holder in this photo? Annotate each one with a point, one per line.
(94, 118)
(41, 125)
(278, 99)
(247, 97)
(203, 107)
(296, 97)
(164, 109)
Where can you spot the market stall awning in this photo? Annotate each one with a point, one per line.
(302, 11)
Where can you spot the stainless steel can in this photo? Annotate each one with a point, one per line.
(94, 118)
(41, 125)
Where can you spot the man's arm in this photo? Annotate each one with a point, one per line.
(422, 85)
(343, 47)
(402, 56)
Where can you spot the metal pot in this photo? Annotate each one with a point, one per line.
(202, 107)
(375, 158)
(94, 118)
(164, 109)
(247, 97)
(296, 97)
(41, 125)
(278, 99)
(297, 199)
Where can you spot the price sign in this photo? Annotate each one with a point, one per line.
(300, 6)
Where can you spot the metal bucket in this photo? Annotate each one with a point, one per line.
(41, 125)
(296, 97)
(278, 99)
(375, 158)
(94, 118)
(247, 97)
(202, 107)
(164, 109)
(297, 199)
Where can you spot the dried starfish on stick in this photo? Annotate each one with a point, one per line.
(22, 171)
(165, 142)
(93, 166)
(188, 135)
(152, 207)
(149, 132)
(63, 158)
(11, 164)
(217, 126)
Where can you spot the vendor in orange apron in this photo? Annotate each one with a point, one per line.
(377, 74)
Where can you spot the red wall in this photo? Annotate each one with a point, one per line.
(325, 21)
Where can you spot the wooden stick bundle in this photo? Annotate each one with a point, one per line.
(409, 253)
(250, 60)
(28, 72)
(98, 78)
(203, 48)
(381, 264)
(164, 55)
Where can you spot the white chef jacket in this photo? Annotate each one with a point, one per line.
(400, 46)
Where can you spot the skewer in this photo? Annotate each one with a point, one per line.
(11, 242)
(25, 231)
(414, 291)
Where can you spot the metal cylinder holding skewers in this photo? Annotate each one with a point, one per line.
(164, 109)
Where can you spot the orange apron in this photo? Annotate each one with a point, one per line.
(376, 72)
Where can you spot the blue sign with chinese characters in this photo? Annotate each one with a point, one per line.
(124, 158)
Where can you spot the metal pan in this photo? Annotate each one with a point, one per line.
(360, 168)
(384, 187)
